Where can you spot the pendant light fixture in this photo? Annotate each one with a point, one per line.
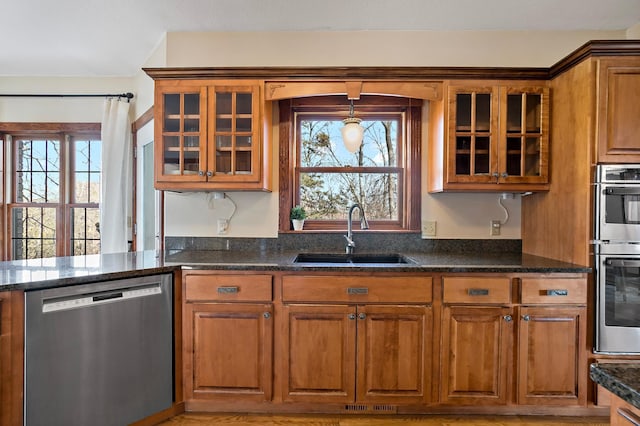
(352, 132)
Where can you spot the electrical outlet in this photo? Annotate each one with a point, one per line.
(223, 226)
(429, 228)
(495, 228)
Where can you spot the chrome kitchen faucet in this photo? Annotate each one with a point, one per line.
(363, 225)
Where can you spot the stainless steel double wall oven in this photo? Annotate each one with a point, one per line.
(617, 258)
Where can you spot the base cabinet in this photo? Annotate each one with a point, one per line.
(228, 338)
(382, 344)
(337, 347)
(364, 353)
(11, 357)
(623, 413)
(231, 347)
(504, 333)
(550, 360)
(476, 344)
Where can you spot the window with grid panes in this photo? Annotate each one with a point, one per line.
(55, 184)
(383, 176)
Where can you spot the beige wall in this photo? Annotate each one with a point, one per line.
(377, 48)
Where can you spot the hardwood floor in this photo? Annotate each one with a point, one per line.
(196, 419)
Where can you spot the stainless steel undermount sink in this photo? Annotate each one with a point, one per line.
(357, 259)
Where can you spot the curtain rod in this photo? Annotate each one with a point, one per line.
(127, 95)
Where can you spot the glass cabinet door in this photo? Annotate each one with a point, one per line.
(183, 134)
(473, 135)
(525, 135)
(234, 133)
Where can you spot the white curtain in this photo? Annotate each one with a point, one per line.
(115, 201)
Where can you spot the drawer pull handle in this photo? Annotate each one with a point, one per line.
(557, 292)
(228, 290)
(478, 292)
(357, 290)
(629, 416)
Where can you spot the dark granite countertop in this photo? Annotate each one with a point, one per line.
(419, 262)
(622, 380)
(37, 274)
(60, 271)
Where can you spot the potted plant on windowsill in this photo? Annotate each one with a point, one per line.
(297, 217)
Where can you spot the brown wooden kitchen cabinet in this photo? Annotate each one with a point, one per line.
(364, 340)
(495, 138)
(210, 135)
(618, 110)
(227, 337)
(623, 413)
(491, 341)
(11, 357)
(552, 366)
(477, 340)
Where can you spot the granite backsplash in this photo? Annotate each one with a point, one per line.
(335, 242)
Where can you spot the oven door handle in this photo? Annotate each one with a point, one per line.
(623, 262)
(622, 190)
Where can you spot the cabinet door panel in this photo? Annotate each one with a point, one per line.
(319, 353)
(551, 365)
(229, 351)
(181, 132)
(473, 128)
(394, 346)
(475, 355)
(618, 110)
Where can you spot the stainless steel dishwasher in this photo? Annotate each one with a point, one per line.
(99, 354)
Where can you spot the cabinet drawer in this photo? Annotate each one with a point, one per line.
(553, 291)
(476, 290)
(229, 288)
(356, 289)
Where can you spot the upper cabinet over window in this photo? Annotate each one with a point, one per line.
(490, 137)
(209, 135)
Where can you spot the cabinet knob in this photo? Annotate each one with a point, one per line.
(200, 173)
(267, 315)
(508, 318)
(352, 316)
(526, 317)
(504, 175)
(495, 174)
(209, 173)
(362, 315)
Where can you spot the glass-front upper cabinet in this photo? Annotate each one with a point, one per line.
(473, 128)
(234, 131)
(208, 135)
(525, 125)
(182, 133)
(497, 135)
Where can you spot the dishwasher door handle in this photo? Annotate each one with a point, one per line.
(107, 297)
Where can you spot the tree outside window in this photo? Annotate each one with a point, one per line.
(55, 196)
(321, 175)
(331, 178)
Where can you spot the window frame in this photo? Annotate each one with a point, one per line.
(408, 152)
(67, 134)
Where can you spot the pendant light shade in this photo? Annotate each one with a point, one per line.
(352, 132)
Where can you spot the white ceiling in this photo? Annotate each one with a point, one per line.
(115, 37)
